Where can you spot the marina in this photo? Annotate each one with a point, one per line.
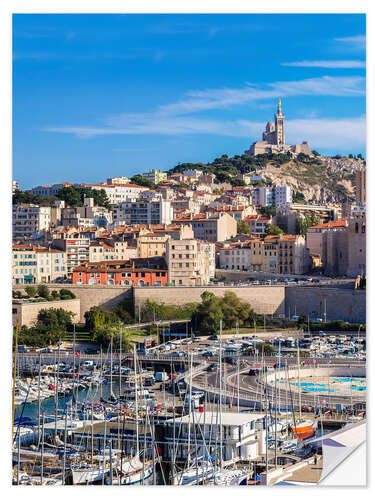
(125, 424)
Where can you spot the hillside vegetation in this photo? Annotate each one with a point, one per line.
(316, 179)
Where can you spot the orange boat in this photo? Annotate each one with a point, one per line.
(304, 429)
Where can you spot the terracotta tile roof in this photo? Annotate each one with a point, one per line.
(331, 224)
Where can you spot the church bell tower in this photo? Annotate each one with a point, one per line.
(279, 126)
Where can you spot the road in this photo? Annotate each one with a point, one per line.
(251, 387)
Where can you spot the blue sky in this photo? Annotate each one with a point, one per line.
(98, 95)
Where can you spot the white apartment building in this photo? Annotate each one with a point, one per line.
(266, 197)
(51, 264)
(76, 249)
(29, 220)
(143, 212)
(117, 193)
(15, 186)
(282, 195)
(50, 190)
(272, 196)
(114, 250)
(88, 215)
(118, 180)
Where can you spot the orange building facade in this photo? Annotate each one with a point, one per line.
(137, 272)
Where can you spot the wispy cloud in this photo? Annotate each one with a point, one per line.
(326, 64)
(70, 56)
(207, 29)
(338, 134)
(178, 118)
(357, 42)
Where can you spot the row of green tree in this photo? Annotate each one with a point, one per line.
(229, 309)
(72, 195)
(50, 326)
(104, 325)
(42, 292)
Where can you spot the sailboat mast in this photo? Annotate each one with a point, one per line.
(220, 398)
(104, 443)
(120, 362)
(110, 462)
(64, 459)
(14, 376)
(136, 399)
(92, 433)
(190, 404)
(42, 454)
(119, 390)
(110, 376)
(57, 386)
(265, 404)
(299, 382)
(275, 419)
(40, 364)
(238, 385)
(18, 457)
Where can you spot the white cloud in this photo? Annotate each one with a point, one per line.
(178, 118)
(360, 39)
(326, 64)
(357, 42)
(340, 134)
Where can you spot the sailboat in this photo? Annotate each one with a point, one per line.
(303, 429)
(84, 473)
(133, 471)
(201, 468)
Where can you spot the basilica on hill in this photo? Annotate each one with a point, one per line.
(273, 139)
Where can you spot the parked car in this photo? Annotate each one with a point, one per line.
(22, 348)
(253, 372)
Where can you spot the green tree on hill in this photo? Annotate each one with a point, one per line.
(299, 197)
(43, 291)
(208, 314)
(102, 336)
(74, 196)
(243, 228)
(273, 230)
(66, 294)
(50, 326)
(235, 310)
(31, 291)
(142, 181)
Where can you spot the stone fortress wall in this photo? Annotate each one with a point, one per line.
(339, 303)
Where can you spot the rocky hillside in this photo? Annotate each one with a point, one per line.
(318, 178)
(322, 180)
